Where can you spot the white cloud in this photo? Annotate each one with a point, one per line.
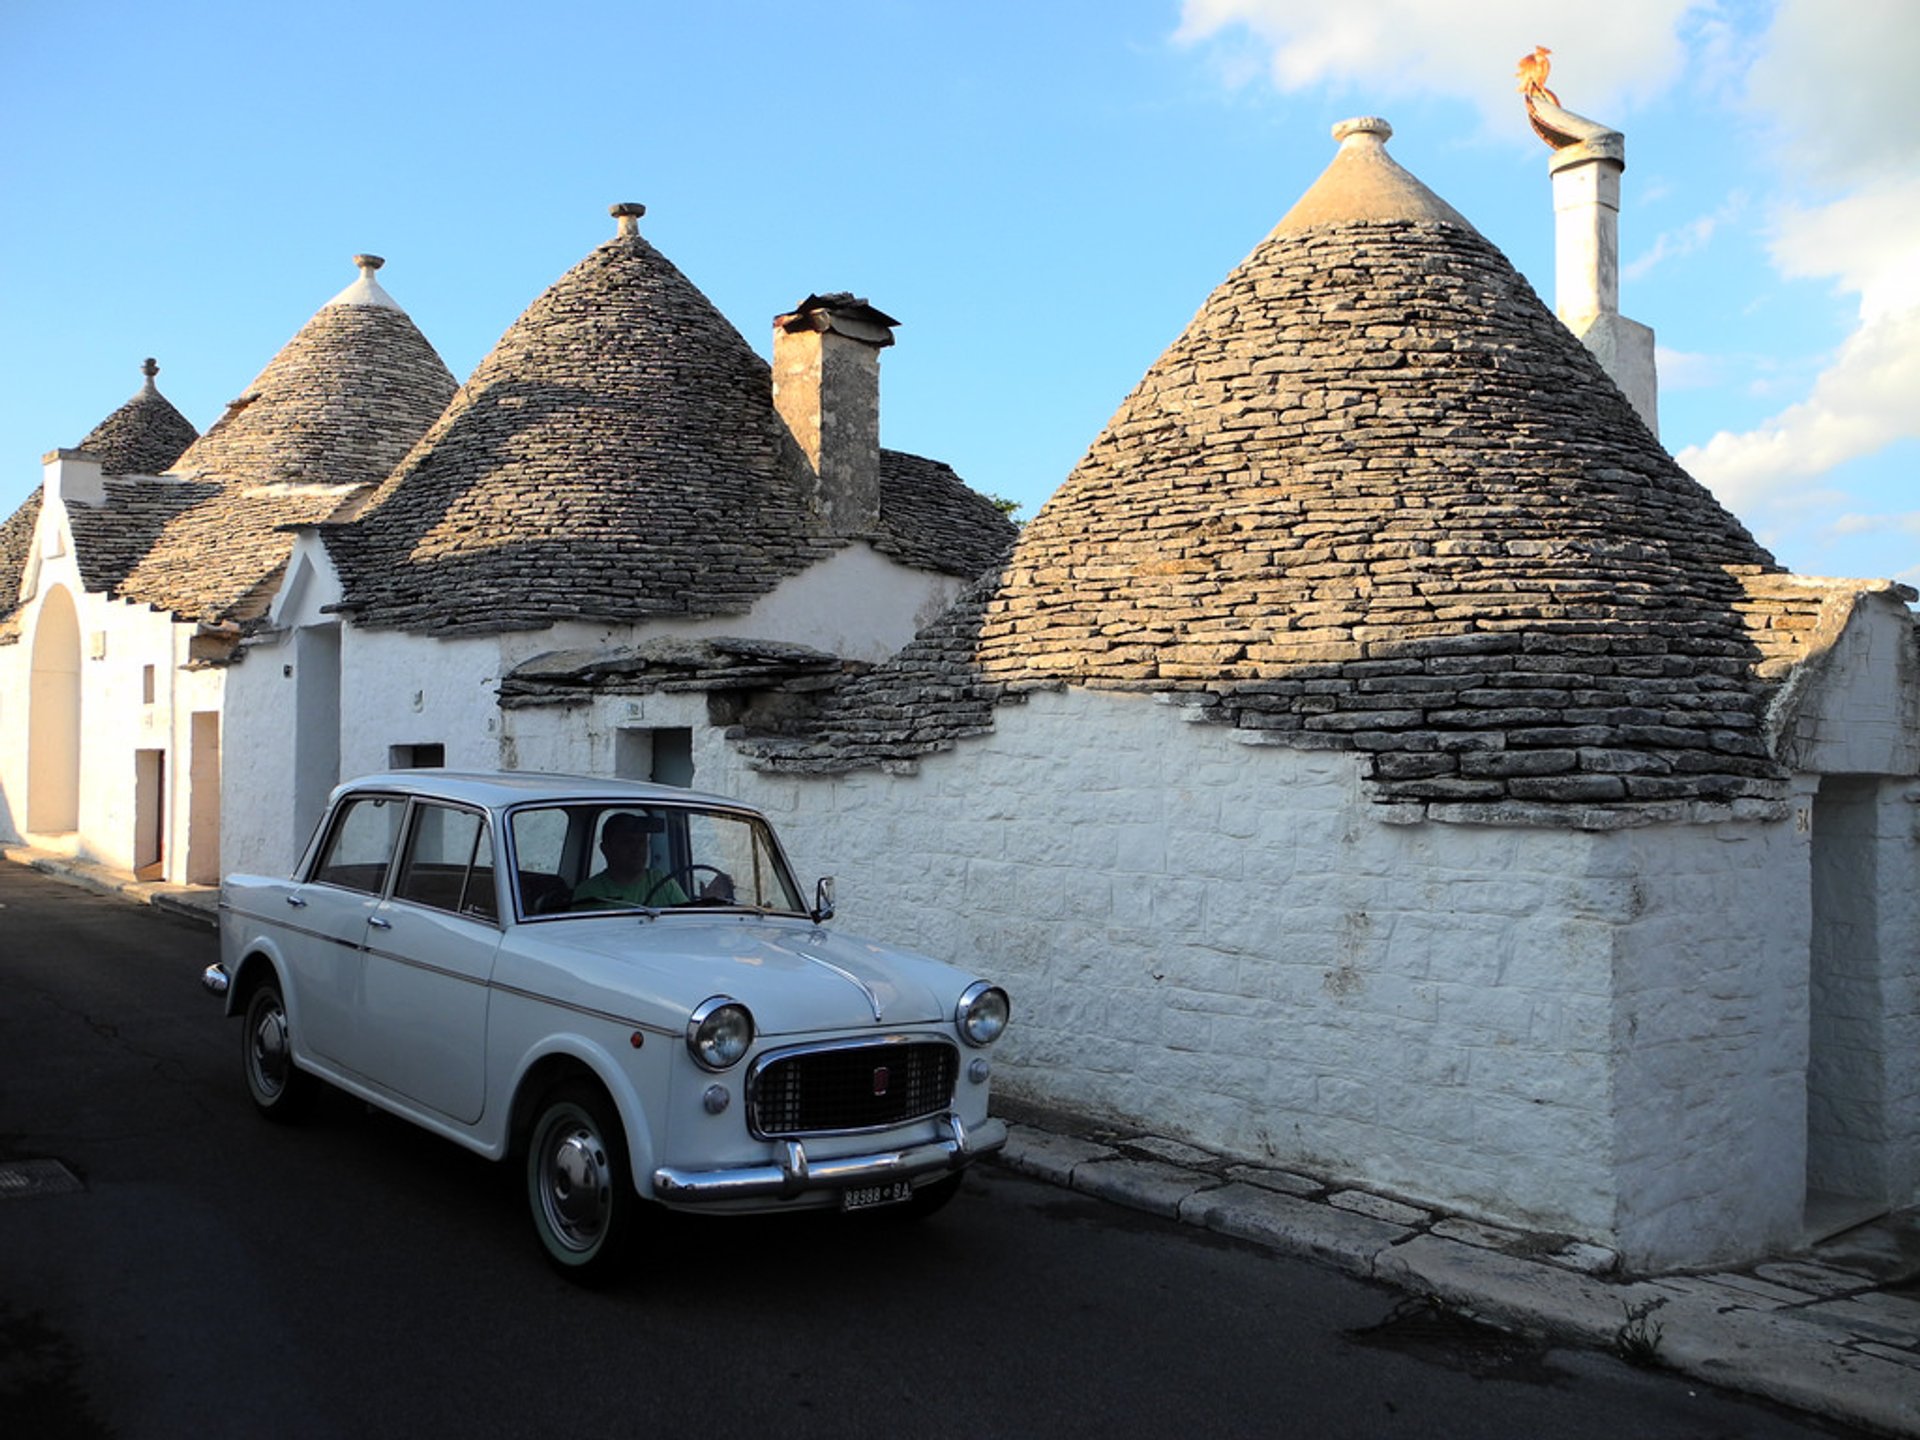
(1861, 403)
(1603, 54)
(1868, 241)
(1829, 81)
(1835, 81)
(1685, 239)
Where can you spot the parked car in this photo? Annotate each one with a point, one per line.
(621, 985)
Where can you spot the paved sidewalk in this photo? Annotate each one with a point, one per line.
(1834, 1330)
(196, 902)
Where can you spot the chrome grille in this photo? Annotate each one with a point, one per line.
(842, 1088)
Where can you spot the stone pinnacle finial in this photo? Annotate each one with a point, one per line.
(149, 368)
(628, 213)
(1365, 128)
(368, 264)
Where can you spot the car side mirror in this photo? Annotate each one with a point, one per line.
(823, 900)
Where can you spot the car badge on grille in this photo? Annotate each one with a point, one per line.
(881, 1078)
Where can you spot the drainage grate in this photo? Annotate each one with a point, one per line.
(20, 1179)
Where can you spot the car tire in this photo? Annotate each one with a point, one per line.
(580, 1184)
(279, 1089)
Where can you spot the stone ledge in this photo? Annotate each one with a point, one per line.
(1142, 1184)
(1293, 1226)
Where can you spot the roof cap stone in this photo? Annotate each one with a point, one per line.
(366, 290)
(1363, 184)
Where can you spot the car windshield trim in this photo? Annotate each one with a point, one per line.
(717, 858)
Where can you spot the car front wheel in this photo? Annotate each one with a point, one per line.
(580, 1185)
(279, 1090)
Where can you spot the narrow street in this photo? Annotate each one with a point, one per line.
(213, 1275)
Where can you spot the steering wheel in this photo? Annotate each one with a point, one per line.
(684, 878)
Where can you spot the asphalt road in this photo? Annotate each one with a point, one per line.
(219, 1276)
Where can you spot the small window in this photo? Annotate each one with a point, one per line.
(146, 684)
(362, 844)
(449, 864)
(417, 757)
(663, 754)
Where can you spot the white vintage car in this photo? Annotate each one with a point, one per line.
(618, 982)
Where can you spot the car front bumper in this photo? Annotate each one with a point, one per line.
(799, 1174)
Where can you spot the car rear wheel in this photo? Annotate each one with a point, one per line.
(580, 1185)
(280, 1091)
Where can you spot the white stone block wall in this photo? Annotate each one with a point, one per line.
(118, 641)
(16, 673)
(1710, 1032)
(1899, 912)
(1224, 941)
(257, 826)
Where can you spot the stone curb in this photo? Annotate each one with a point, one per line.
(193, 902)
(1852, 1357)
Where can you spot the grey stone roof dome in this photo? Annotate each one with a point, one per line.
(1377, 497)
(329, 416)
(144, 436)
(618, 457)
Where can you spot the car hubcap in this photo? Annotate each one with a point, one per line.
(270, 1050)
(575, 1187)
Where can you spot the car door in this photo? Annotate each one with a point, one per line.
(331, 910)
(429, 962)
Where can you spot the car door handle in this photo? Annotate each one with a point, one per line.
(377, 923)
(296, 902)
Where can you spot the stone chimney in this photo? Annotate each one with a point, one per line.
(826, 386)
(1588, 160)
(74, 476)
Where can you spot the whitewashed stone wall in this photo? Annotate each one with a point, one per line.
(398, 688)
(1710, 986)
(1897, 906)
(117, 642)
(1222, 941)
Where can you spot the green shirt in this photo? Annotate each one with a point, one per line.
(603, 892)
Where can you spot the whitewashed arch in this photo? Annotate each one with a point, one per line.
(53, 718)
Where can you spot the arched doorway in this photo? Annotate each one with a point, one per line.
(53, 718)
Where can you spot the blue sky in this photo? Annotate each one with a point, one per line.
(1043, 193)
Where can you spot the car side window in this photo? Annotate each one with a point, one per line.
(362, 843)
(449, 862)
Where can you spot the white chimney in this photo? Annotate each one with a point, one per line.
(1588, 160)
(826, 386)
(74, 476)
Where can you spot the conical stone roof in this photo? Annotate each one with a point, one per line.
(618, 457)
(1377, 497)
(144, 436)
(329, 417)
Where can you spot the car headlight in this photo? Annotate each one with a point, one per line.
(982, 1013)
(719, 1032)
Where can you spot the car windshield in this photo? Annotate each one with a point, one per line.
(585, 859)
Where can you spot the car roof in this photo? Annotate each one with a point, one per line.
(496, 789)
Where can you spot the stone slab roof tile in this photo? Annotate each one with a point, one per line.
(111, 540)
(931, 519)
(618, 457)
(324, 422)
(1377, 498)
(145, 436)
(16, 550)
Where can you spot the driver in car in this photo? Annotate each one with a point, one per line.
(627, 879)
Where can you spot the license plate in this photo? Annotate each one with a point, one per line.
(866, 1197)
